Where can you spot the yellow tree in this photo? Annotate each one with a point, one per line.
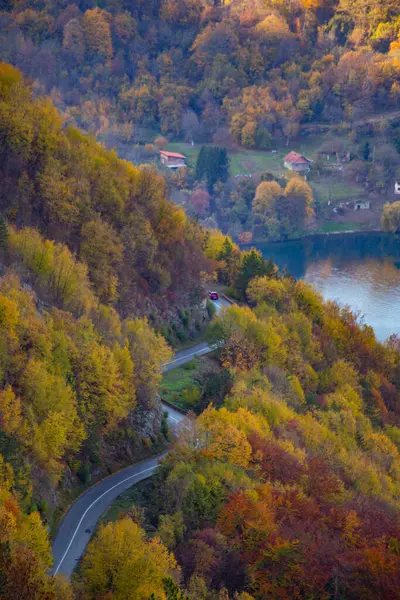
(123, 564)
(295, 206)
(150, 352)
(96, 25)
(265, 289)
(10, 411)
(391, 217)
(222, 439)
(266, 194)
(101, 249)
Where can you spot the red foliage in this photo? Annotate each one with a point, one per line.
(274, 462)
(200, 201)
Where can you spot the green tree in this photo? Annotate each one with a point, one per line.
(252, 265)
(212, 165)
(3, 236)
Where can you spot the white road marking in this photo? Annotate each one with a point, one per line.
(205, 350)
(173, 418)
(91, 506)
(202, 351)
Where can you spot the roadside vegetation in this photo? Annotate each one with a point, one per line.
(297, 466)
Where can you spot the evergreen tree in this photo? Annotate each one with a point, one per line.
(201, 164)
(223, 164)
(213, 165)
(253, 265)
(366, 151)
(3, 235)
(226, 250)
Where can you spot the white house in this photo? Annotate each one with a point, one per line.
(172, 160)
(296, 162)
(397, 187)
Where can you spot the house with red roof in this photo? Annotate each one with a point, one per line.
(296, 162)
(172, 160)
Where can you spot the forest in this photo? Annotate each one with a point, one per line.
(114, 216)
(287, 485)
(255, 75)
(186, 68)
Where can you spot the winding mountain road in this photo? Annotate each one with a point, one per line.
(80, 521)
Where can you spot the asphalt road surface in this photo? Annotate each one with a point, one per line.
(184, 356)
(80, 521)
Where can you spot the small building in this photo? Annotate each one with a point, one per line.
(362, 205)
(296, 162)
(172, 160)
(397, 187)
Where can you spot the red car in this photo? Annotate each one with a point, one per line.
(213, 295)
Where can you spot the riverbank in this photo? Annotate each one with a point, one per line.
(312, 234)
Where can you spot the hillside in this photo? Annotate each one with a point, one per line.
(193, 69)
(317, 77)
(138, 247)
(287, 485)
(284, 481)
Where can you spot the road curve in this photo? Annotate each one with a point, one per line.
(80, 521)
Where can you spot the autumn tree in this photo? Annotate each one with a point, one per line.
(73, 39)
(267, 193)
(294, 207)
(101, 249)
(200, 201)
(391, 217)
(120, 562)
(96, 26)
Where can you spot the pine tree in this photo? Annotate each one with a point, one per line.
(223, 164)
(213, 164)
(200, 164)
(226, 250)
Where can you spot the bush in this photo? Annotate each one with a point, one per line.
(211, 308)
(42, 506)
(191, 396)
(191, 365)
(164, 425)
(84, 473)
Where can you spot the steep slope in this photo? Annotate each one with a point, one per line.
(143, 254)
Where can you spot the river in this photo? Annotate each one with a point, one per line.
(361, 270)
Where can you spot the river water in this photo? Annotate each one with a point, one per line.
(361, 270)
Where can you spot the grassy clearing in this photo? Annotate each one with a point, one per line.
(191, 152)
(175, 382)
(336, 190)
(332, 227)
(255, 162)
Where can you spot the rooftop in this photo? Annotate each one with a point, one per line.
(294, 157)
(172, 154)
